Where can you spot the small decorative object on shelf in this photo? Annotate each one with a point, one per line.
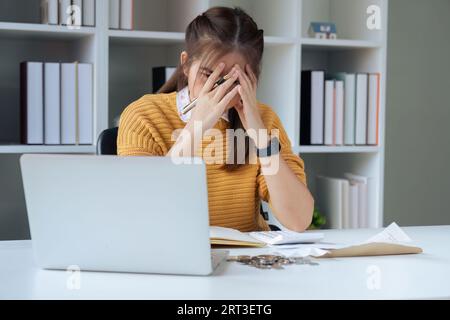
(322, 30)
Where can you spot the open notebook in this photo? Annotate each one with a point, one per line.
(233, 237)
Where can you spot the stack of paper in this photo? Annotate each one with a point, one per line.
(391, 241)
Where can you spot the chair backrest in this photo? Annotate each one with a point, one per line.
(107, 142)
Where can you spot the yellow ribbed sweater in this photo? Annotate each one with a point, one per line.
(145, 129)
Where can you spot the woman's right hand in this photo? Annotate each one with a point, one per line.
(211, 104)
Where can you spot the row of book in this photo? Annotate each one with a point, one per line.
(56, 103)
(339, 108)
(121, 14)
(68, 12)
(347, 202)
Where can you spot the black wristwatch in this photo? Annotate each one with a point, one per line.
(270, 150)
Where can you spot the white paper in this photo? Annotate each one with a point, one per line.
(392, 234)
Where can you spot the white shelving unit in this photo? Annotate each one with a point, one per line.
(123, 61)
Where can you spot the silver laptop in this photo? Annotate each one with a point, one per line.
(119, 214)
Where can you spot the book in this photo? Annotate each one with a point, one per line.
(361, 109)
(349, 106)
(85, 103)
(329, 113)
(65, 12)
(52, 98)
(232, 237)
(68, 103)
(89, 13)
(373, 108)
(77, 13)
(312, 107)
(339, 113)
(332, 198)
(114, 14)
(353, 205)
(160, 75)
(32, 102)
(126, 14)
(49, 12)
(367, 217)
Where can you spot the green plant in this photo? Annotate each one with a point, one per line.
(318, 220)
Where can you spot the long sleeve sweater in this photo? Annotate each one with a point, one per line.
(147, 127)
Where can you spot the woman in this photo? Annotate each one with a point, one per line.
(223, 41)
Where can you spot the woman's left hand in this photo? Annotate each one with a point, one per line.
(248, 107)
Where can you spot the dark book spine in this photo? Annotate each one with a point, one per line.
(23, 103)
(305, 109)
(158, 78)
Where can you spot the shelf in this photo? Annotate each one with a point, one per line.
(13, 149)
(333, 44)
(160, 37)
(35, 30)
(337, 149)
(273, 41)
(152, 37)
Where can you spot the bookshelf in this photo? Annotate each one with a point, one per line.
(123, 60)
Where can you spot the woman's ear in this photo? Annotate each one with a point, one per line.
(183, 59)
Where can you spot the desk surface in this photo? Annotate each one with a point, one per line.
(425, 275)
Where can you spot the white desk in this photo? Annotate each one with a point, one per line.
(425, 275)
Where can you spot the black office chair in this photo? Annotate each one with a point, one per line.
(107, 145)
(107, 142)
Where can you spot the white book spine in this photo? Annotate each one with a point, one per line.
(353, 199)
(114, 14)
(361, 109)
(65, 17)
(349, 118)
(317, 106)
(330, 200)
(49, 12)
(126, 14)
(372, 110)
(345, 204)
(77, 12)
(329, 113)
(68, 103)
(85, 103)
(367, 217)
(52, 99)
(362, 205)
(89, 13)
(339, 126)
(35, 103)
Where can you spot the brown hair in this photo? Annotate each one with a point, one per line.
(213, 34)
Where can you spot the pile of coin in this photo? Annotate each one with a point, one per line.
(271, 261)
